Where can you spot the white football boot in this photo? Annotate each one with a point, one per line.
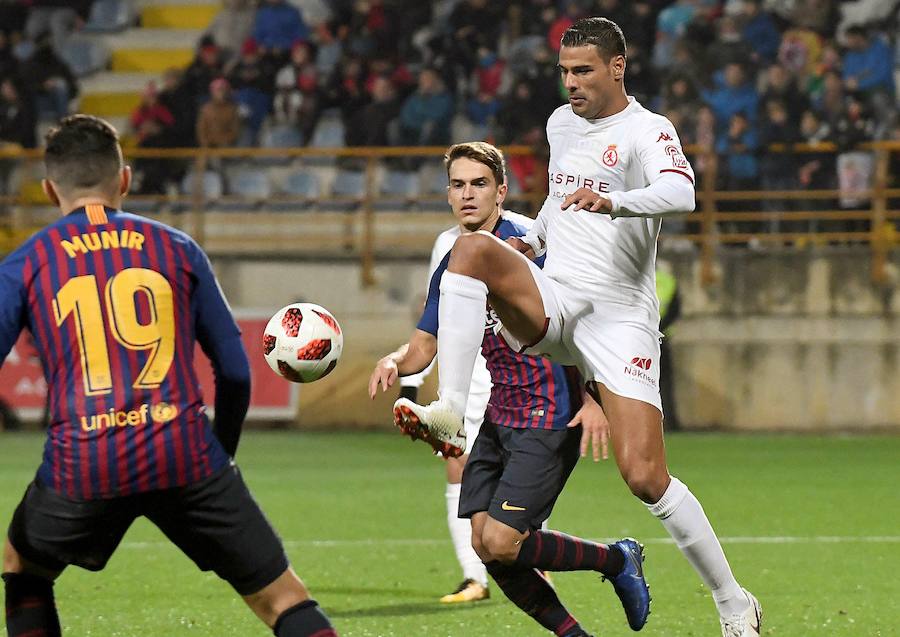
(746, 624)
(437, 424)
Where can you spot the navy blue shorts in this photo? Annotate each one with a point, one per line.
(516, 475)
(215, 522)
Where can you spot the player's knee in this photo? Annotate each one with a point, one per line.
(646, 480)
(466, 257)
(499, 546)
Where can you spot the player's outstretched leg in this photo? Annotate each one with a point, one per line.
(636, 428)
(527, 589)
(437, 424)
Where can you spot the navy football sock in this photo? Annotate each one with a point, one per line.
(305, 619)
(555, 551)
(30, 607)
(527, 589)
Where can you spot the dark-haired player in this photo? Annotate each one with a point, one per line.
(615, 170)
(529, 441)
(115, 303)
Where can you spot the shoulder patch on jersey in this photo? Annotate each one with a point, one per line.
(664, 137)
(678, 158)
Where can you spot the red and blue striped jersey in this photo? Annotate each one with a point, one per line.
(115, 303)
(527, 391)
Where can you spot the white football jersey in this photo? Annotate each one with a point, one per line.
(611, 257)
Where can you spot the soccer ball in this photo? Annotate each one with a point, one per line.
(302, 342)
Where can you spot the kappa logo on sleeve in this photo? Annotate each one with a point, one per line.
(664, 137)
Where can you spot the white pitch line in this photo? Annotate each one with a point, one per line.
(761, 539)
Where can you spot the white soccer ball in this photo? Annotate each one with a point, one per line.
(302, 342)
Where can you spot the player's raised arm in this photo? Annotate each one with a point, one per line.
(220, 338)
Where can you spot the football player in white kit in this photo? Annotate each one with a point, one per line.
(615, 170)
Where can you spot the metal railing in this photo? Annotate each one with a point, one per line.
(366, 226)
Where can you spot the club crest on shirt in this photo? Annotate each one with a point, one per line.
(611, 156)
(678, 158)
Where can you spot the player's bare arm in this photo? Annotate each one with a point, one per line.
(410, 358)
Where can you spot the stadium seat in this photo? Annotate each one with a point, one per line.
(432, 178)
(398, 188)
(250, 185)
(298, 189)
(212, 185)
(302, 184)
(84, 56)
(347, 184)
(281, 136)
(109, 16)
(329, 133)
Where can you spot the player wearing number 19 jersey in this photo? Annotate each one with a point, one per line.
(116, 303)
(107, 296)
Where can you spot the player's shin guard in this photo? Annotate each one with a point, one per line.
(461, 331)
(686, 522)
(555, 551)
(30, 606)
(305, 619)
(527, 589)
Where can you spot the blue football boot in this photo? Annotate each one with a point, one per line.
(630, 585)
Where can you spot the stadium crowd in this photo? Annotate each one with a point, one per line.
(734, 76)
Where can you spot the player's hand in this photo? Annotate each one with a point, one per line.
(520, 246)
(587, 199)
(385, 374)
(595, 429)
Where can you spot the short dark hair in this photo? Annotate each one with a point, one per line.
(483, 153)
(601, 32)
(82, 152)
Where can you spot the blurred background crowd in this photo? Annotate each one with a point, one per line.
(734, 76)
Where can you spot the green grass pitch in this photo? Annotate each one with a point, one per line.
(810, 525)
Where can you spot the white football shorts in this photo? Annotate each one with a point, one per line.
(622, 352)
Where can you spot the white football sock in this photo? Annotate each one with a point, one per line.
(461, 534)
(684, 519)
(460, 333)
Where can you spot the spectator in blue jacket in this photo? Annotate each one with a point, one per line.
(278, 25)
(737, 151)
(868, 71)
(867, 63)
(426, 115)
(732, 95)
(759, 31)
